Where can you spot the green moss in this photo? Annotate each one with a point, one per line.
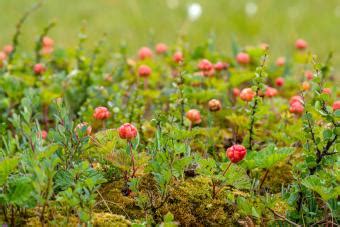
(191, 203)
(108, 220)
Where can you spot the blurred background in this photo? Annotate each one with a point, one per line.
(138, 22)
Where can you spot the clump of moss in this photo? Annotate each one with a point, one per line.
(278, 176)
(191, 203)
(118, 202)
(108, 219)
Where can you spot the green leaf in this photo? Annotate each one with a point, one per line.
(7, 166)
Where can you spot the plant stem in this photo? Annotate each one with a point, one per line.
(225, 171)
(264, 178)
(132, 160)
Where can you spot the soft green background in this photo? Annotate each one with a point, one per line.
(278, 22)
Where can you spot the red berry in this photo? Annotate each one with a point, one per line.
(327, 91)
(194, 116)
(144, 53)
(336, 105)
(280, 61)
(39, 69)
(296, 108)
(270, 92)
(47, 42)
(8, 49)
(279, 82)
(127, 131)
(219, 66)
(247, 94)
(236, 153)
(205, 65)
(214, 105)
(178, 57)
(101, 113)
(309, 75)
(161, 48)
(243, 58)
(43, 134)
(296, 98)
(144, 71)
(236, 92)
(301, 44)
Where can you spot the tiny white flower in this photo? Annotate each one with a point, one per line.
(194, 11)
(251, 8)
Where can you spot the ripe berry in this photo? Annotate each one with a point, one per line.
(301, 44)
(144, 53)
(161, 48)
(281, 61)
(39, 69)
(247, 94)
(264, 46)
(336, 105)
(243, 58)
(194, 116)
(144, 71)
(178, 57)
(101, 113)
(279, 82)
(236, 153)
(127, 131)
(214, 105)
(205, 65)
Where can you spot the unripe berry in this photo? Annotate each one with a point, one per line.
(296, 98)
(194, 116)
(243, 58)
(144, 71)
(247, 94)
(219, 66)
(305, 86)
(281, 61)
(280, 82)
(39, 69)
(47, 42)
(101, 113)
(8, 49)
(336, 105)
(43, 134)
(214, 105)
(127, 131)
(205, 65)
(178, 57)
(301, 44)
(236, 153)
(236, 92)
(161, 48)
(327, 91)
(296, 108)
(144, 53)
(81, 126)
(309, 75)
(270, 92)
